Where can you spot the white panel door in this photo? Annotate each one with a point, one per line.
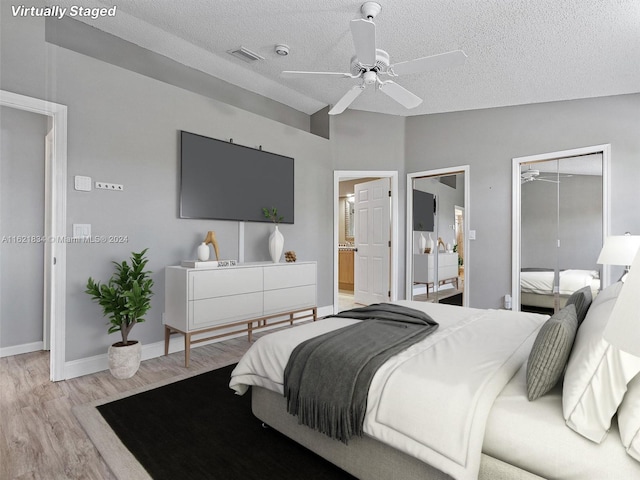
(372, 228)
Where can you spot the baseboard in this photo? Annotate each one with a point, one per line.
(20, 349)
(98, 363)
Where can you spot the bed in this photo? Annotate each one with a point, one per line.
(499, 434)
(536, 285)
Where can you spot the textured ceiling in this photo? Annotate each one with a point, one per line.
(519, 51)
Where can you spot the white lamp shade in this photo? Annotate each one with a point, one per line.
(623, 328)
(619, 250)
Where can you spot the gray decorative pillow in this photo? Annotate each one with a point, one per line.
(582, 300)
(550, 352)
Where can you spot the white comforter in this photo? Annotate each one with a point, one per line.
(432, 400)
(570, 281)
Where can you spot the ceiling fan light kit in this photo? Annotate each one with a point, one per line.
(370, 62)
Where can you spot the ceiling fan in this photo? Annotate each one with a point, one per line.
(532, 174)
(369, 63)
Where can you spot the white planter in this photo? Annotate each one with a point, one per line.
(125, 361)
(203, 252)
(276, 245)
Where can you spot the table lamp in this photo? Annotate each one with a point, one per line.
(623, 328)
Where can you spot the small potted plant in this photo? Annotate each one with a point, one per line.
(124, 299)
(276, 240)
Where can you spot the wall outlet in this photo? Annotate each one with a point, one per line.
(110, 186)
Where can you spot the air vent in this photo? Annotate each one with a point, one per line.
(245, 55)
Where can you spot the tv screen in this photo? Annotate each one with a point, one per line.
(223, 181)
(423, 210)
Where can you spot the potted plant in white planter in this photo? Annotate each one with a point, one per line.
(124, 299)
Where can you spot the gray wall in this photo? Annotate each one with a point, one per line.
(123, 128)
(21, 215)
(580, 226)
(82, 38)
(487, 140)
(365, 141)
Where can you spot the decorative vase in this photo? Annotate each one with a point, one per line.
(422, 242)
(203, 252)
(124, 361)
(276, 245)
(431, 244)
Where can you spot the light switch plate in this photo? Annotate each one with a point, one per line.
(81, 230)
(82, 184)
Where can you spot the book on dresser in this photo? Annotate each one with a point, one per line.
(236, 299)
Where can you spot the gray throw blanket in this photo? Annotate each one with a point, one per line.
(327, 378)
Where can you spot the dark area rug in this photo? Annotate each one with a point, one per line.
(452, 300)
(199, 429)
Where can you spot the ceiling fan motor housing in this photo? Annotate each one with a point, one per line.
(370, 9)
(382, 63)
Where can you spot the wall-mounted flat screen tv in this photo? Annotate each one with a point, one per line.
(423, 210)
(224, 181)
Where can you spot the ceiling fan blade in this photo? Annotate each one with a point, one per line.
(443, 60)
(400, 94)
(364, 40)
(346, 100)
(292, 74)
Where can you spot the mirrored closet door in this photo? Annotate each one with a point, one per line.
(561, 229)
(436, 239)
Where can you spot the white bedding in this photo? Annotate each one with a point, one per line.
(534, 437)
(452, 376)
(570, 281)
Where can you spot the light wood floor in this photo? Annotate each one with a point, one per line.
(39, 435)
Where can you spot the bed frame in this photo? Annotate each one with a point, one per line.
(364, 457)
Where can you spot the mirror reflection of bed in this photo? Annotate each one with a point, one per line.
(561, 230)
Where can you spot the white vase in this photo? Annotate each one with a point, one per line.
(203, 252)
(422, 242)
(431, 244)
(276, 245)
(124, 361)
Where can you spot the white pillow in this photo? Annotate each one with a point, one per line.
(629, 419)
(597, 373)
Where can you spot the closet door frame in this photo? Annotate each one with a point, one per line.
(516, 234)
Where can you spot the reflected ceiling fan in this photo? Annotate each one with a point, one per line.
(369, 63)
(532, 174)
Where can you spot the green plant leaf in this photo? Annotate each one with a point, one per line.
(126, 297)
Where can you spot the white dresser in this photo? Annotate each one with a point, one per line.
(424, 269)
(236, 299)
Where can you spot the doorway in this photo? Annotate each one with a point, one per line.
(437, 236)
(55, 186)
(23, 321)
(352, 262)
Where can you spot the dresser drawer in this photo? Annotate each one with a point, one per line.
(293, 298)
(216, 311)
(218, 283)
(288, 275)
